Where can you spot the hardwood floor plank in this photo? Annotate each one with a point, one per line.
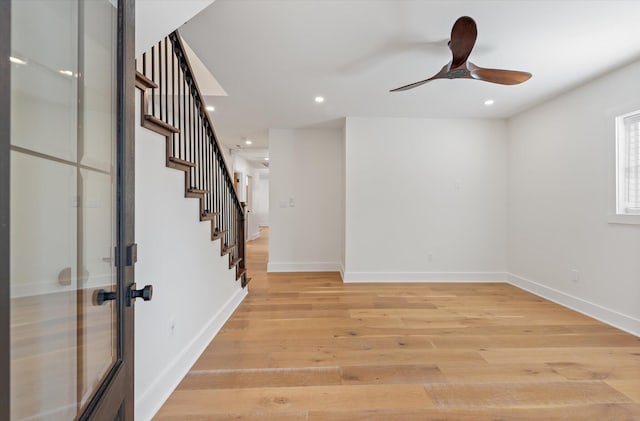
(294, 399)
(608, 412)
(372, 357)
(582, 355)
(630, 388)
(392, 374)
(257, 377)
(499, 373)
(523, 394)
(596, 370)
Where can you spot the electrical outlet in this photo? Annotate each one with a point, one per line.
(575, 275)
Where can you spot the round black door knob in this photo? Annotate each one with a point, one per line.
(102, 296)
(145, 293)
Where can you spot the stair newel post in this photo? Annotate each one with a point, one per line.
(241, 242)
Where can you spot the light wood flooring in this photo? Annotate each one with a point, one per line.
(304, 346)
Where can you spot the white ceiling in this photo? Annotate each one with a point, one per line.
(272, 57)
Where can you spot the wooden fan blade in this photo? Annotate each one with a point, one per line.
(463, 38)
(503, 77)
(411, 86)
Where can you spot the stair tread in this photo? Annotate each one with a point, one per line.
(155, 120)
(144, 82)
(198, 191)
(226, 249)
(208, 215)
(181, 161)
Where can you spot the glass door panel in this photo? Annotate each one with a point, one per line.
(63, 205)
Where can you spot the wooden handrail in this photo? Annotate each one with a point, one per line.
(176, 40)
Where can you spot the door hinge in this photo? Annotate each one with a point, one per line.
(132, 254)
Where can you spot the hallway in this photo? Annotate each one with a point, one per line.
(306, 346)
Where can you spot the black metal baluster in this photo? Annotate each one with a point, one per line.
(202, 150)
(226, 214)
(181, 101)
(207, 173)
(166, 78)
(153, 78)
(183, 144)
(192, 140)
(201, 165)
(223, 222)
(226, 208)
(159, 80)
(173, 100)
(215, 188)
(211, 172)
(219, 216)
(178, 98)
(188, 122)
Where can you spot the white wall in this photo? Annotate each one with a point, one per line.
(305, 200)
(560, 178)
(416, 187)
(260, 200)
(194, 290)
(343, 193)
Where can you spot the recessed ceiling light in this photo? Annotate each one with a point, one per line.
(319, 99)
(248, 142)
(16, 60)
(66, 72)
(211, 108)
(266, 159)
(489, 102)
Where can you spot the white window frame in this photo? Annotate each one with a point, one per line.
(621, 213)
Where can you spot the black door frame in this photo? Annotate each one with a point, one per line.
(115, 397)
(5, 134)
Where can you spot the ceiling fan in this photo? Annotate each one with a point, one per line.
(463, 38)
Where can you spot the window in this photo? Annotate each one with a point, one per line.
(628, 164)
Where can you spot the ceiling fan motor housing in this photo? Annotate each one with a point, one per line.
(458, 73)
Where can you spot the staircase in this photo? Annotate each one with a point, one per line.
(172, 106)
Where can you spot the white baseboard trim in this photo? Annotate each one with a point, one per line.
(611, 317)
(303, 267)
(349, 277)
(341, 271)
(150, 402)
(254, 235)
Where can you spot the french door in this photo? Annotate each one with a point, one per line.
(68, 255)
